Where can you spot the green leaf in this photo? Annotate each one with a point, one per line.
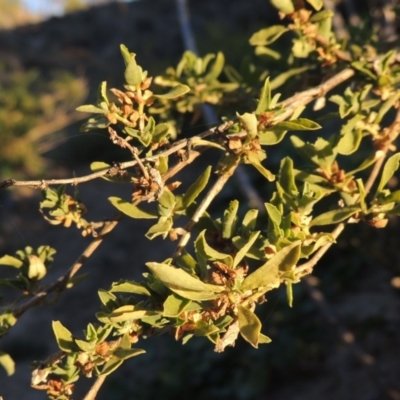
(206, 251)
(268, 35)
(64, 337)
(126, 313)
(133, 73)
(265, 98)
(11, 261)
(300, 124)
(7, 363)
(217, 68)
(89, 108)
(129, 287)
(174, 305)
(249, 325)
(286, 176)
(107, 299)
(335, 216)
(162, 227)
(183, 284)
(254, 160)
(196, 188)
(229, 220)
(289, 293)
(272, 136)
(317, 4)
(266, 51)
(176, 91)
(130, 209)
(84, 345)
(249, 123)
(281, 79)
(284, 6)
(245, 249)
(349, 142)
(267, 276)
(391, 166)
(126, 54)
(111, 365)
(249, 221)
(124, 354)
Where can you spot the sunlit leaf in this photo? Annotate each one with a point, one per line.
(335, 216)
(130, 209)
(268, 35)
(391, 166)
(129, 287)
(183, 284)
(267, 275)
(196, 188)
(284, 6)
(176, 91)
(7, 363)
(11, 261)
(64, 337)
(265, 98)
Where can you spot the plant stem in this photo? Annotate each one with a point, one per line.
(92, 393)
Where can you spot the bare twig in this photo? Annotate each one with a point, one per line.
(92, 393)
(42, 184)
(209, 197)
(308, 266)
(61, 282)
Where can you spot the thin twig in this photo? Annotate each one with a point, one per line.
(92, 393)
(42, 184)
(308, 266)
(209, 197)
(61, 282)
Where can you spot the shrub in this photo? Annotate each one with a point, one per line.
(223, 267)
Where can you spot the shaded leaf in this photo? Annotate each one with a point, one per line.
(245, 249)
(229, 220)
(206, 251)
(249, 325)
(196, 188)
(317, 4)
(174, 305)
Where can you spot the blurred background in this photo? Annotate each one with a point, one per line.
(53, 55)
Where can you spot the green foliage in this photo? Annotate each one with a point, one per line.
(214, 289)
